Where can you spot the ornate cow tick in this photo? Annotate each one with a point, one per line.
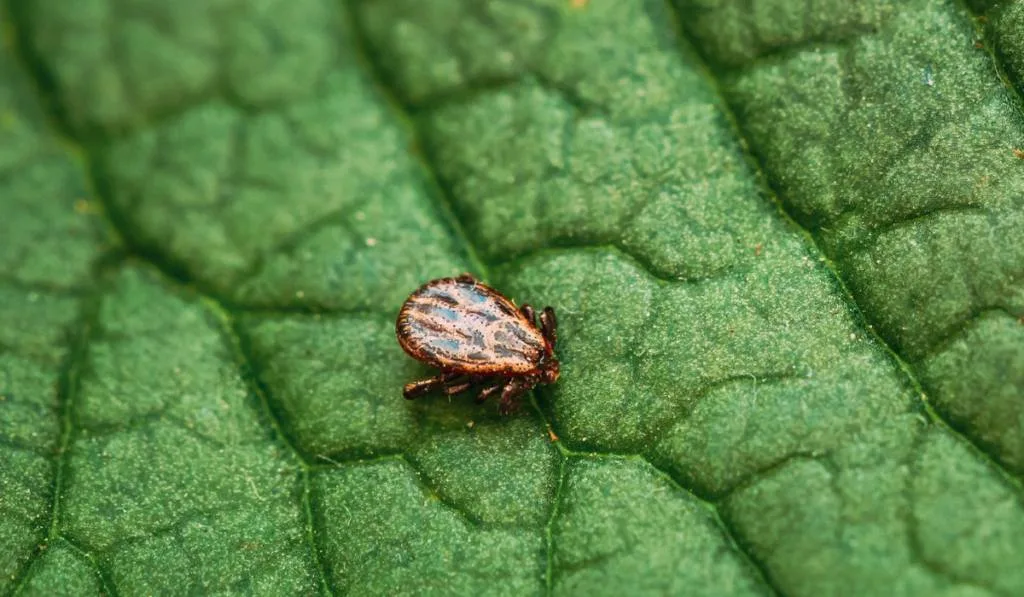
(476, 337)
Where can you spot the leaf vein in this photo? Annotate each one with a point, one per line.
(686, 42)
(67, 392)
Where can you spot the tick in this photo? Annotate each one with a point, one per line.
(476, 337)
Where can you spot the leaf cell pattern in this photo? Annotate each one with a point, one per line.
(783, 240)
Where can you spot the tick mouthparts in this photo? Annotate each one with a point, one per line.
(550, 372)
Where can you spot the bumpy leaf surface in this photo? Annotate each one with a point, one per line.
(785, 241)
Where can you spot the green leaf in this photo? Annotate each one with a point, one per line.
(785, 243)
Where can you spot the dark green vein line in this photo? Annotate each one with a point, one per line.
(549, 527)
(442, 497)
(237, 344)
(104, 575)
(982, 31)
(332, 462)
(176, 273)
(444, 203)
(245, 363)
(440, 193)
(178, 277)
(756, 164)
(310, 532)
(744, 552)
(712, 508)
(422, 480)
(639, 262)
(68, 386)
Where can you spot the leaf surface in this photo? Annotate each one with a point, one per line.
(785, 243)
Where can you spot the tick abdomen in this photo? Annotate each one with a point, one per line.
(460, 324)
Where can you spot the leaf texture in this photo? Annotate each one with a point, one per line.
(785, 243)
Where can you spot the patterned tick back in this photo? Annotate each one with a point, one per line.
(478, 339)
(459, 324)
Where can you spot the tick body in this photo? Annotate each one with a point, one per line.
(476, 337)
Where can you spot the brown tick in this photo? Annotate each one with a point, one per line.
(476, 337)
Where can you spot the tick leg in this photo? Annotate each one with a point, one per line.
(509, 394)
(530, 314)
(548, 324)
(465, 277)
(452, 389)
(486, 393)
(416, 389)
